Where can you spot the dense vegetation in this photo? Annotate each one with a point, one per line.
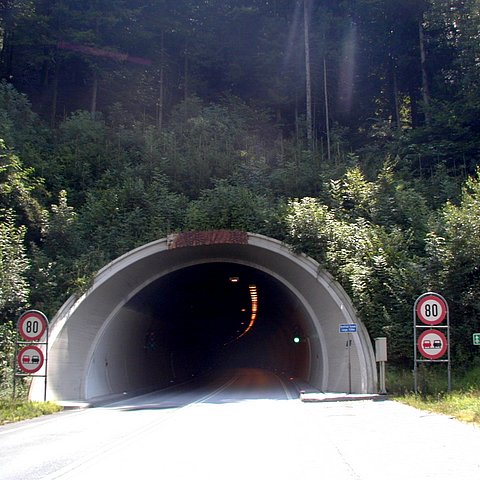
(348, 129)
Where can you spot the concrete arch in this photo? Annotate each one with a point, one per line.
(97, 342)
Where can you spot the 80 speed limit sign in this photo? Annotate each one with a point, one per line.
(431, 309)
(32, 325)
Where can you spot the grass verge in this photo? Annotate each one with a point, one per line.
(463, 403)
(16, 410)
(464, 406)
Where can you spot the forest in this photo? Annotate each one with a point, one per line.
(349, 129)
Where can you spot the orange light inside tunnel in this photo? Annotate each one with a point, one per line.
(254, 309)
(254, 300)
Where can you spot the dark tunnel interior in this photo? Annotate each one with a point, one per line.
(214, 316)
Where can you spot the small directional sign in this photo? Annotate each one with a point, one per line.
(476, 338)
(348, 328)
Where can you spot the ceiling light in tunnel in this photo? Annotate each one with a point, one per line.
(234, 279)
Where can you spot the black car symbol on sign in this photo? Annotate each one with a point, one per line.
(35, 359)
(437, 344)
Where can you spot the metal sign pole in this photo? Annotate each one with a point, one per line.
(349, 363)
(348, 328)
(415, 364)
(449, 363)
(46, 366)
(14, 392)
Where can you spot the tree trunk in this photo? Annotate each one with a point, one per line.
(185, 91)
(297, 121)
(327, 109)
(413, 94)
(425, 87)
(162, 86)
(56, 73)
(93, 105)
(160, 100)
(396, 99)
(308, 79)
(6, 52)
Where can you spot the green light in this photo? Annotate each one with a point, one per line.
(296, 339)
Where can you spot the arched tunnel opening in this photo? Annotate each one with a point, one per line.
(203, 302)
(218, 316)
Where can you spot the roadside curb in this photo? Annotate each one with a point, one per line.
(66, 405)
(340, 397)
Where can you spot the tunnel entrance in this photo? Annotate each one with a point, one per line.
(221, 316)
(200, 302)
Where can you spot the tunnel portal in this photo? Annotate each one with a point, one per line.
(199, 302)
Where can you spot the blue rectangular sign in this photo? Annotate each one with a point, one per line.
(348, 328)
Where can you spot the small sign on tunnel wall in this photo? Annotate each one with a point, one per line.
(348, 328)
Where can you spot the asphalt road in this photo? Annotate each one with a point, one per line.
(247, 424)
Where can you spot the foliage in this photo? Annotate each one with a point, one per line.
(121, 214)
(20, 125)
(229, 207)
(191, 115)
(18, 186)
(14, 265)
(54, 271)
(453, 253)
(8, 338)
(16, 410)
(375, 263)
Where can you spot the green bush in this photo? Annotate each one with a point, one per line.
(7, 352)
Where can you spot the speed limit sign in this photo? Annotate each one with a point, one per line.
(431, 309)
(32, 325)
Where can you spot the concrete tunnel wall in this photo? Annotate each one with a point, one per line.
(95, 340)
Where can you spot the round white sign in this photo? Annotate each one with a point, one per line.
(30, 359)
(32, 325)
(432, 344)
(431, 309)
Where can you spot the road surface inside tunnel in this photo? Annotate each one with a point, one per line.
(237, 426)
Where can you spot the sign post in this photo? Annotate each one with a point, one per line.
(431, 318)
(30, 359)
(348, 328)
